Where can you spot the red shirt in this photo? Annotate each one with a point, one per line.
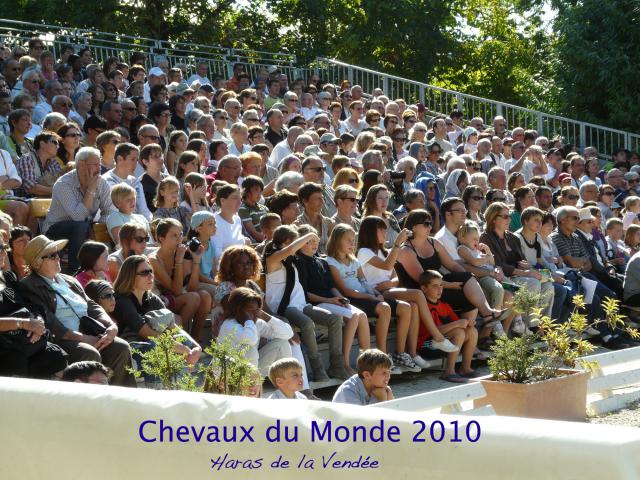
(442, 313)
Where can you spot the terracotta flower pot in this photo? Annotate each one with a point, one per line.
(560, 398)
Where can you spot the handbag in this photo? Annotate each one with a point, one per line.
(88, 325)
(18, 340)
(160, 320)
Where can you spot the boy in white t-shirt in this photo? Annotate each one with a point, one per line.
(123, 197)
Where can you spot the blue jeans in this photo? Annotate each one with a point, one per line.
(562, 303)
(76, 232)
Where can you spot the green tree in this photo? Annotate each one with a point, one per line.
(597, 58)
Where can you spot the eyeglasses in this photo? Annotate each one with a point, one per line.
(51, 256)
(504, 216)
(314, 169)
(107, 296)
(145, 273)
(427, 223)
(141, 239)
(351, 199)
(608, 193)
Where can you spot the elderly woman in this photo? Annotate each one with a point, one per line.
(311, 198)
(135, 300)
(456, 183)
(24, 347)
(79, 325)
(508, 255)
(407, 165)
(290, 181)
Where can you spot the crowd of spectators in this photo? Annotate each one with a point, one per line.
(271, 205)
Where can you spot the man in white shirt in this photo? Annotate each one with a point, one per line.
(355, 124)
(285, 147)
(440, 131)
(156, 77)
(126, 159)
(454, 214)
(201, 74)
(307, 108)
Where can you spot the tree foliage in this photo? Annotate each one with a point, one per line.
(597, 58)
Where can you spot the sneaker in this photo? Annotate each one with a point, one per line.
(592, 331)
(518, 327)
(395, 369)
(405, 362)
(421, 362)
(445, 345)
(498, 330)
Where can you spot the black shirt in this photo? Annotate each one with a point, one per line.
(128, 313)
(149, 187)
(275, 137)
(314, 275)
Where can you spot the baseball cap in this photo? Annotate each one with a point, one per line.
(156, 72)
(328, 138)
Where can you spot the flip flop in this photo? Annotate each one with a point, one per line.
(471, 374)
(453, 378)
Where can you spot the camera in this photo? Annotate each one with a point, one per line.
(397, 175)
(193, 245)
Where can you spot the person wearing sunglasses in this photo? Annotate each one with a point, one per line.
(39, 169)
(569, 196)
(473, 200)
(102, 292)
(133, 240)
(64, 305)
(34, 357)
(137, 307)
(346, 199)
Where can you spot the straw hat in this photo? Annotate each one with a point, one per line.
(40, 246)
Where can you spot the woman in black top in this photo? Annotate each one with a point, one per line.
(320, 290)
(134, 299)
(461, 289)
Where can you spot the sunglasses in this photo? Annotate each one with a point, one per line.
(608, 194)
(351, 199)
(504, 216)
(141, 239)
(145, 273)
(55, 142)
(427, 223)
(51, 256)
(107, 296)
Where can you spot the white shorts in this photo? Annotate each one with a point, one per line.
(347, 311)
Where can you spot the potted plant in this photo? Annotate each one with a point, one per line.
(541, 375)
(225, 371)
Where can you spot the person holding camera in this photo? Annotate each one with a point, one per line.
(177, 280)
(78, 324)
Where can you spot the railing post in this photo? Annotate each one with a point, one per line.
(583, 135)
(499, 112)
(627, 142)
(350, 75)
(421, 99)
(540, 123)
(459, 100)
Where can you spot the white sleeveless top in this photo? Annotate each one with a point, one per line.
(275, 285)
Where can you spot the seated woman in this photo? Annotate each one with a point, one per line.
(456, 183)
(18, 239)
(93, 259)
(285, 297)
(473, 199)
(377, 266)
(228, 223)
(24, 347)
(505, 247)
(135, 299)
(177, 280)
(461, 290)
(532, 250)
(133, 240)
(321, 290)
(524, 198)
(375, 204)
(311, 199)
(285, 204)
(245, 329)
(65, 308)
(240, 266)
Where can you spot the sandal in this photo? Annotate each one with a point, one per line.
(471, 374)
(497, 316)
(453, 378)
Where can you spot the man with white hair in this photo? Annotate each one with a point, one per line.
(76, 199)
(202, 70)
(232, 107)
(285, 147)
(499, 126)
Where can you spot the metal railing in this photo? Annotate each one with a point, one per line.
(443, 101)
(104, 45)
